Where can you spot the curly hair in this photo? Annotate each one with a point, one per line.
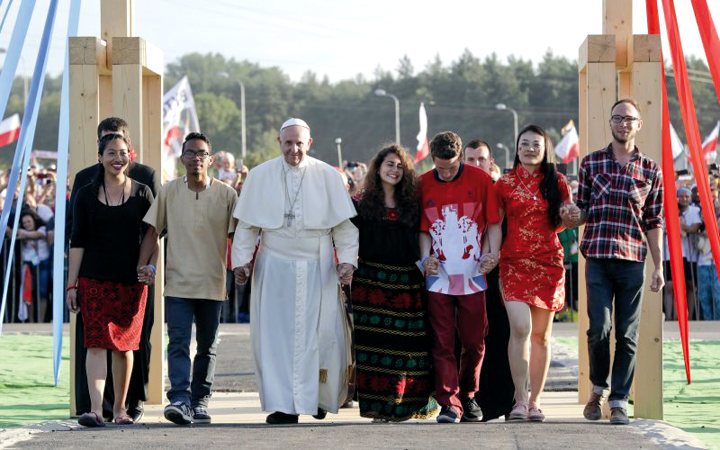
(446, 145)
(372, 204)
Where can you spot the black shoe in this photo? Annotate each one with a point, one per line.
(200, 415)
(136, 412)
(178, 413)
(447, 415)
(471, 411)
(280, 418)
(320, 414)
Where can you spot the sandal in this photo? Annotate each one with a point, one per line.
(91, 420)
(124, 419)
(519, 411)
(535, 414)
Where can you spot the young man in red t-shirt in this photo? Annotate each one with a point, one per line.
(459, 242)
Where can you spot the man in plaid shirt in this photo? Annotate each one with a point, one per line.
(619, 199)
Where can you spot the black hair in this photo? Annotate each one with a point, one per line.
(113, 124)
(196, 135)
(629, 101)
(100, 177)
(477, 143)
(549, 184)
(30, 212)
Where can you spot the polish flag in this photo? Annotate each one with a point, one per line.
(569, 146)
(423, 148)
(709, 145)
(9, 130)
(677, 146)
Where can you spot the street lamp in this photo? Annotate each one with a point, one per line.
(243, 145)
(338, 143)
(503, 107)
(502, 146)
(382, 93)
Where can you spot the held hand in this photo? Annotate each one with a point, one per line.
(432, 265)
(657, 281)
(345, 273)
(146, 274)
(242, 273)
(488, 262)
(71, 301)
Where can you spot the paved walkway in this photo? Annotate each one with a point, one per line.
(239, 422)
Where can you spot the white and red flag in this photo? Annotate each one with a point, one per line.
(423, 148)
(9, 130)
(709, 145)
(179, 119)
(677, 146)
(569, 146)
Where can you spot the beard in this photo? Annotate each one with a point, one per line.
(623, 139)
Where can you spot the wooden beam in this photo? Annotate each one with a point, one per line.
(116, 20)
(89, 51)
(127, 101)
(84, 117)
(135, 50)
(597, 48)
(106, 94)
(617, 21)
(647, 85)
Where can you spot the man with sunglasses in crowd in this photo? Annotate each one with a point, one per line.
(620, 198)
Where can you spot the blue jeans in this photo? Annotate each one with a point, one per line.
(180, 314)
(708, 292)
(621, 280)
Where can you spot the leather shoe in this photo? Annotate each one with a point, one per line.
(320, 414)
(280, 418)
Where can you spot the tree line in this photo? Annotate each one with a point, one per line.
(459, 95)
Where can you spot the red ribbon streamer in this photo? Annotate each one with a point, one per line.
(710, 40)
(672, 214)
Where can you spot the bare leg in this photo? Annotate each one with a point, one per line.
(669, 301)
(542, 320)
(519, 346)
(96, 369)
(121, 368)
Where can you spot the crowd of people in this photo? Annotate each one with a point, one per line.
(417, 295)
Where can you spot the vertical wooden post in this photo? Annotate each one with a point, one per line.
(617, 21)
(597, 94)
(646, 87)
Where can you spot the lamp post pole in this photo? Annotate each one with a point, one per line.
(338, 143)
(383, 93)
(503, 107)
(507, 154)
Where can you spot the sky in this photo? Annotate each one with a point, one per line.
(341, 39)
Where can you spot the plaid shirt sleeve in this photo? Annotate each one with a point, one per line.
(653, 210)
(584, 187)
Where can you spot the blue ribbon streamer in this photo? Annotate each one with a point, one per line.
(27, 135)
(5, 15)
(60, 200)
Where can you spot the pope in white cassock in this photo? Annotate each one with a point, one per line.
(300, 335)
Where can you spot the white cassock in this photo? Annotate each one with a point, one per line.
(299, 331)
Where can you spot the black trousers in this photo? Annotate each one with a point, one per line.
(137, 391)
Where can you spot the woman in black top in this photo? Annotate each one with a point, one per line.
(108, 271)
(391, 342)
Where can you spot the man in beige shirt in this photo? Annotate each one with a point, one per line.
(196, 210)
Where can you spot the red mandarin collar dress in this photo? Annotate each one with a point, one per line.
(531, 258)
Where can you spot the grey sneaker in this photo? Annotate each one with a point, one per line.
(593, 408)
(178, 413)
(618, 416)
(447, 415)
(200, 415)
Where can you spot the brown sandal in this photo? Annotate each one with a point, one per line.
(124, 419)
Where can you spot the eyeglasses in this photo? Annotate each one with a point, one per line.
(202, 154)
(623, 119)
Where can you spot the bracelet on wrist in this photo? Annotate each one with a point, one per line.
(70, 288)
(152, 267)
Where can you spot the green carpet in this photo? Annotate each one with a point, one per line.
(694, 407)
(26, 381)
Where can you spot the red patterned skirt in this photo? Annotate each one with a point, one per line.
(112, 313)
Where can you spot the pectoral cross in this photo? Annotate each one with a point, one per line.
(289, 216)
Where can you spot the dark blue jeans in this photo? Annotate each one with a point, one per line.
(180, 314)
(621, 280)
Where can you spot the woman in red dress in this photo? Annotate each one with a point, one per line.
(107, 272)
(532, 274)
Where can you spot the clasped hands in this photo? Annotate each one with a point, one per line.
(146, 274)
(487, 263)
(242, 273)
(571, 215)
